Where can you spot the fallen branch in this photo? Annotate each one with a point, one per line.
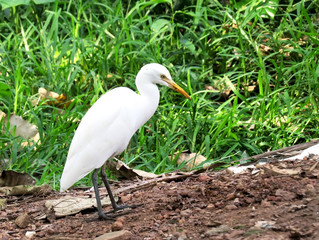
(154, 181)
(283, 151)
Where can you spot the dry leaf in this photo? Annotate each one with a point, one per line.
(278, 171)
(9, 178)
(3, 203)
(25, 190)
(72, 205)
(264, 49)
(123, 170)
(131, 173)
(144, 174)
(191, 160)
(54, 99)
(21, 127)
(2, 115)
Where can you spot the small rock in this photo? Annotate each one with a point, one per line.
(231, 207)
(265, 224)
(30, 234)
(126, 198)
(236, 202)
(210, 206)
(118, 224)
(118, 235)
(217, 230)
(23, 220)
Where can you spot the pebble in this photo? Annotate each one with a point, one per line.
(236, 202)
(118, 224)
(23, 220)
(265, 224)
(231, 207)
(118, 235)
(217, 230)
(30, 234)
(210, 206)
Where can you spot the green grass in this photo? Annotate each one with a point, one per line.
(72, 47)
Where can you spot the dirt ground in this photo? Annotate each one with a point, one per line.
(263, 204)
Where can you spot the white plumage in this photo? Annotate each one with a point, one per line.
(109, 124)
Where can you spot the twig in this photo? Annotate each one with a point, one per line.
(152, 182)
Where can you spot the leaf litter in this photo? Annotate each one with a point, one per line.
(280, 203)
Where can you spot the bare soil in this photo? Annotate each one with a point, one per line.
(209, 205)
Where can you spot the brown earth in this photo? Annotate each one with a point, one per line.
(263, 204)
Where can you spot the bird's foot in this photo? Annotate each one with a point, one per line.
(109, 216)
(104, 216)
(121, 207)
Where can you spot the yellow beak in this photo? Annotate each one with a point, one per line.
(173, 85)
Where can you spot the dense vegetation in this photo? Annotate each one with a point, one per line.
(251, 69)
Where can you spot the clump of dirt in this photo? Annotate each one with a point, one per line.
(211, 205)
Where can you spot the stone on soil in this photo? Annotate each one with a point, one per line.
(23, 220)
(118, 224)
(217, 230)
(118, 235)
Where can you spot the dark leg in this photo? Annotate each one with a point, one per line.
(109, 191)
(97, 194)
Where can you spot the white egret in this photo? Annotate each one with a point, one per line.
(108, 126)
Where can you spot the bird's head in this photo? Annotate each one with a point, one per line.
(158, 74)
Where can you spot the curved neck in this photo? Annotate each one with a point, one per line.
(149, 93)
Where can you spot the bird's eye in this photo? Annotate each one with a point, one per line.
(162, 76)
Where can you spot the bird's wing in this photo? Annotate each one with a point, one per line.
(103, 133)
